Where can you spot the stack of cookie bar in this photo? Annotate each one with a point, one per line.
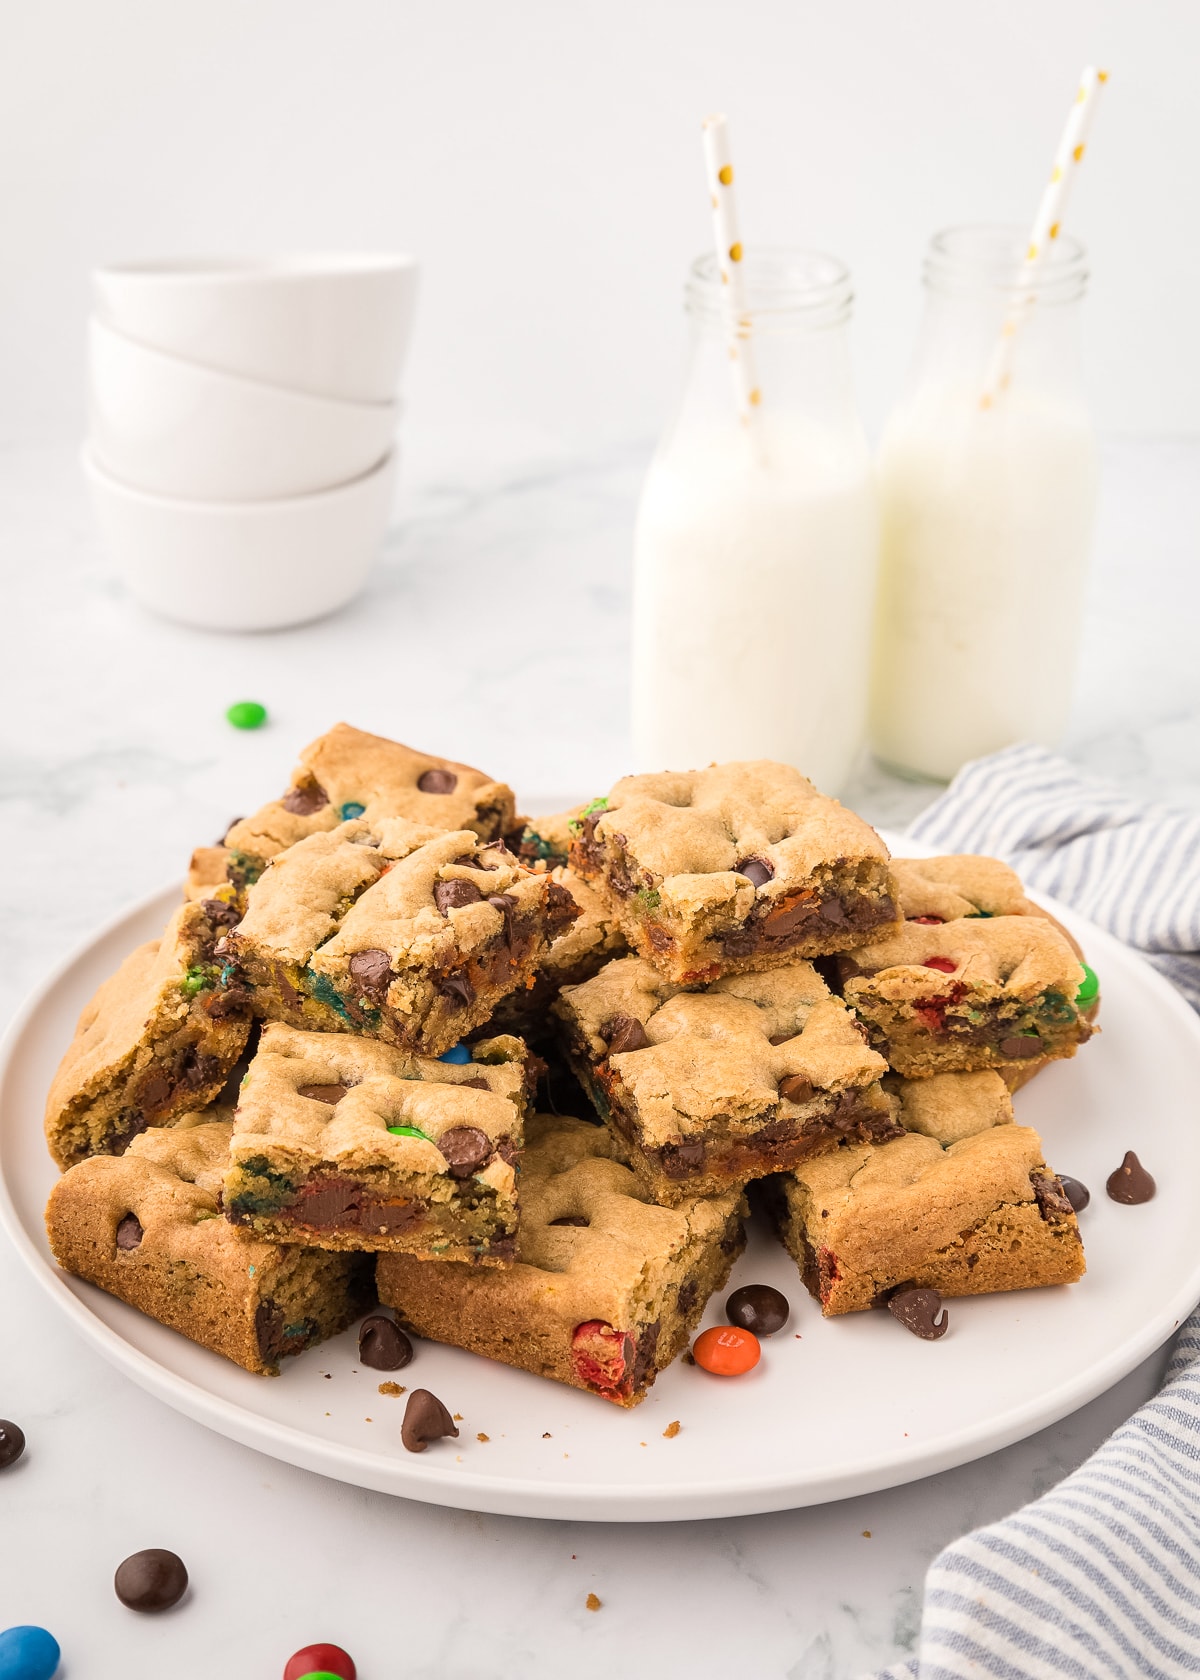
(319, 1087)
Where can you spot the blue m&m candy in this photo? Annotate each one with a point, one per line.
(351, 809)
(28, 1653)
(456, 1053)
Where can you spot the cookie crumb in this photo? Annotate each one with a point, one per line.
(592, 1602)
(392, 1388)
(368, 1420)
(458, 1417)
(866, 1533)
(546, 1436)
(687, 1358)
(671, 1430)
(482, 1437)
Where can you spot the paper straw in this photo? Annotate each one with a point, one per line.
(1045, 231)
(719, 166)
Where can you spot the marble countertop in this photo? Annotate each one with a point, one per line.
(494, 631)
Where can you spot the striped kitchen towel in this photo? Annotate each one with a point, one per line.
(1100, 1578)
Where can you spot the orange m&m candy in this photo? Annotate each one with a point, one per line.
(726, 1351)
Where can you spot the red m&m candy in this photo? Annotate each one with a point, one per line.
(726, 1351)
(320, 1662)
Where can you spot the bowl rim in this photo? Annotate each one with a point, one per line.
(223, 509)
(286, 267)
(98, 327)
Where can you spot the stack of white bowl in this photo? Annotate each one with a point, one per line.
(242, 430)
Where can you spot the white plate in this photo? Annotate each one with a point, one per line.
(836, 1407)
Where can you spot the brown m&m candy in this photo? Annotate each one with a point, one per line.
(12, 1443)
(758, 1307)
(151, 1580)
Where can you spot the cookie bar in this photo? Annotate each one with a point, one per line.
(962, 995)
(158, 1040)
(348, 773)
(951, 1106)
(343, 1143)
(735, 868)
(582, 950)
(971, 1217)
(395, 931)
(606, 1288)
(147, 1228)
(712, 1088)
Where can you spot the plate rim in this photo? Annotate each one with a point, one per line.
(463, 1489)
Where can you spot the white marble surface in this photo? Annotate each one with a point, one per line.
(495, 631)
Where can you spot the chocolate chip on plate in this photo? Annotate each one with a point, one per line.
(466, 1148)
(12, 1443)
(425, 1420)
(453, 895)
(758, 1308)
(918, 1310)
(1131, 1184)
(383, 1345)
(1076, 1193)
(438, 781)
(151, 1580)
(129, 1232)
(624, 1033)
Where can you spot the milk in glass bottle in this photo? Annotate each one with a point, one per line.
(756, 543)
(988, 492)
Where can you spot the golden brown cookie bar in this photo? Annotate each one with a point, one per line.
(709, 1089)
(968, 1218)
(951, 1106)
(157, 1041)
(345, 1143)
(735, 868)
(580, 951)
(147, 1228)
(347, 773)
(607, 1287)
(953, 997)
(395, 931)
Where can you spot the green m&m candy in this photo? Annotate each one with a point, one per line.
(246, 714)
(409, 1131)
(1090, 989)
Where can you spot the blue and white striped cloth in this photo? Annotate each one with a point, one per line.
(1100, 1578)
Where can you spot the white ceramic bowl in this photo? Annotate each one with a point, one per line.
(244, 565)
(176, 428)
(334, 326)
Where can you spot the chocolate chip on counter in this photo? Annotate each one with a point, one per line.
(1076, 1193)
(756, 870)
(383, 1345)
(1028, 1044)
(425, 1420)
(758, 1307)
(1131, 1184)
(372, 970)
(438, 781)
(918, 1310)
(331, 1094)
(624, 1033)
(452, 895)
(458, 987)
(302, 801)
(151, 1580)
(129, 1232)
(12, 1443)
(795, 1088)
(466, 1149)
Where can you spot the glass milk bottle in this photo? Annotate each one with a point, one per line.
(757, 540)
(987, 500)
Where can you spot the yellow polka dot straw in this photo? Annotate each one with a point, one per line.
(1046, 226)
(718, 164)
